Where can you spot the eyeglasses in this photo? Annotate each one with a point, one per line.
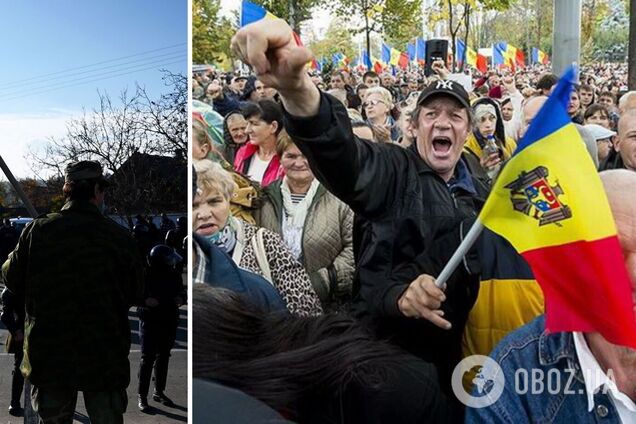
(372, 103)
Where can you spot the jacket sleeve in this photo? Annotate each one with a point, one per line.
(14, 268)
(462, 286)
(343, 264)
(290, 278)
(362, 174)
(226, 105)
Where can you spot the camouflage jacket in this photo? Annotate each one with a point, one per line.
(78, 274)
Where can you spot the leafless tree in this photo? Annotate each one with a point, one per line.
(114, 132)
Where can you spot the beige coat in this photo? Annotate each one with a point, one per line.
(327, 245)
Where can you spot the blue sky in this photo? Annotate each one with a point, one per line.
(50, 49)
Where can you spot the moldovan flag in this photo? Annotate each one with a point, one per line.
(548, 201)
(420, 50)
(507, 55)
(251, 12)
(539, 56)
(395, 56)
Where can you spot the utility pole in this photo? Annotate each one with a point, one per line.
(292, 15)
(631, 52)
(566, 34)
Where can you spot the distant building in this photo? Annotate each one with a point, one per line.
(149, 184)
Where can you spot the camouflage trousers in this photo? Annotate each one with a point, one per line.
(57, 405)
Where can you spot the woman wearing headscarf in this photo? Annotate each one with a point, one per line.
(315, 225)
(255, 249)
(488, 128)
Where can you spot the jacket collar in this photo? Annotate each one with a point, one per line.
(80, 206)
(461, 179)
(273, 192)
(555, 347)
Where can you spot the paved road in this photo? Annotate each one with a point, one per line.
(177, 387)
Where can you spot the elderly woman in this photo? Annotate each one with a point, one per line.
(257, 159)
(377, 107)
(314, 224)
(488, 127)
(254, 249)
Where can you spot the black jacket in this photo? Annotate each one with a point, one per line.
(414, 223)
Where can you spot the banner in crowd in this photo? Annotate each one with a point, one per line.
(556, 215)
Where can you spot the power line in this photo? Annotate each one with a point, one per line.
(99, 74)
(86, 82)
(47, 79)
(94, 64)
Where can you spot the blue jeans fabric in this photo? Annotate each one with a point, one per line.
(562, 397)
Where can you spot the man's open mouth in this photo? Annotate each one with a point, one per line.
(442, 144)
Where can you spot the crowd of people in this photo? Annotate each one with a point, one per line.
(323, 210)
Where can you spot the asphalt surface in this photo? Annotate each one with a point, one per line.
(177, 387)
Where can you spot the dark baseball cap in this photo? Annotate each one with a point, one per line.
(84, 170)
(445, 88)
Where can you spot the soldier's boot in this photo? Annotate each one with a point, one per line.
(161, 376)
(17, 384)
(145, 374)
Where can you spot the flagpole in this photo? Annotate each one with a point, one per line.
(459, 254)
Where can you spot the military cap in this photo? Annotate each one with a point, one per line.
(84, 170)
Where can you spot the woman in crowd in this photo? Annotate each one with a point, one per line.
(488, 125)
(511, 115)
(234, 134)
(314, 224)
(257, 158)
(597, 114)
(255, 249)
(323, 369)
(377, 106)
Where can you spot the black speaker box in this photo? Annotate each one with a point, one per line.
(435, 50)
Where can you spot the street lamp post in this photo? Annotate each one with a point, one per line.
(566, 34)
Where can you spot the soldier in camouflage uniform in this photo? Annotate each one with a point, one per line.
(78, 273)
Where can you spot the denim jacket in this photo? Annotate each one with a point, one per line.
(554, 361)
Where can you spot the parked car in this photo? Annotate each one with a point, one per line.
(19, 223)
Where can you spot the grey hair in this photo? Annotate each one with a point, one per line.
(212, 176)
